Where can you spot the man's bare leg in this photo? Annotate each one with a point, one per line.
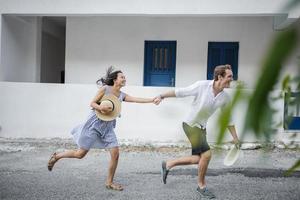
(187, 160)
(202, 168)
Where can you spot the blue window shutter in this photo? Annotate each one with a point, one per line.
(160, 63)
(292, 112)
(231, 57)
(214, 59)
(220, 53)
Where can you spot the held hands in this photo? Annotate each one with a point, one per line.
(156, 100)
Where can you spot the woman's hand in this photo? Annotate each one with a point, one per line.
(156, 100)
(104, 109)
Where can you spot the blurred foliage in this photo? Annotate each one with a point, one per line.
(259, 114)
(226, 113)
(290, 99)
(291, 4)
(293, 168)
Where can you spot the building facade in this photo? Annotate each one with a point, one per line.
(52, 53)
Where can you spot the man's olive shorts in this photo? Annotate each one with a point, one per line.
(197, 137)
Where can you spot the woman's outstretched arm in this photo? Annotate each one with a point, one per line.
(132, 99)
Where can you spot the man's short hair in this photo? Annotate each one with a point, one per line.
(221, 70)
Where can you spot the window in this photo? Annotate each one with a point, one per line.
(220, 53)
(160, 63)
(292, 111)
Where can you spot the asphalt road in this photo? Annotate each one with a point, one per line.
(259, 175)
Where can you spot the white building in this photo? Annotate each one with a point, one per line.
(46, 42)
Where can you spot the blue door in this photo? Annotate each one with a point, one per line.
(221, 53)
(160, 63)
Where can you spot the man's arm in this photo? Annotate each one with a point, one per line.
(232, 131)
(191, 90)
(170, 93)
(160, 97)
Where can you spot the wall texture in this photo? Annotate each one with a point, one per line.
(36, 110)
(20, 49)
(94, 43)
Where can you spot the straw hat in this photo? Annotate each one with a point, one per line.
(110, 101)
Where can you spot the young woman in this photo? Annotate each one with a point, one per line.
(96, 133)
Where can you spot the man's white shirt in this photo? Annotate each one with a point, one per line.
(205, 102)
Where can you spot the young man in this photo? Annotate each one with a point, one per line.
(209, 96)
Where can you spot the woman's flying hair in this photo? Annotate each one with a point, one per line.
(108, 79)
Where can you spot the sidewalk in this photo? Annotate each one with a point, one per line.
(23, 174)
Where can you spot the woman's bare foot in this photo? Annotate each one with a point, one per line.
(52, 161)
(114, 186)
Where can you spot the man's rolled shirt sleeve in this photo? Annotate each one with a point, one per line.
(191, 90)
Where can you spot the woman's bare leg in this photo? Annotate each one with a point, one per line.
(79, 153)
(114, 153)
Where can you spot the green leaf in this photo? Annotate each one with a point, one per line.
(225, 116)
(258, 112)
(285, 82)
(293, 168)
(291, 4)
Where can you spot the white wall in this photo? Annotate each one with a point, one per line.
(292, 66)
(51, 110)
(144, 8)
(20, 49)
(1, 46)
(208, 7)
(94, 43)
